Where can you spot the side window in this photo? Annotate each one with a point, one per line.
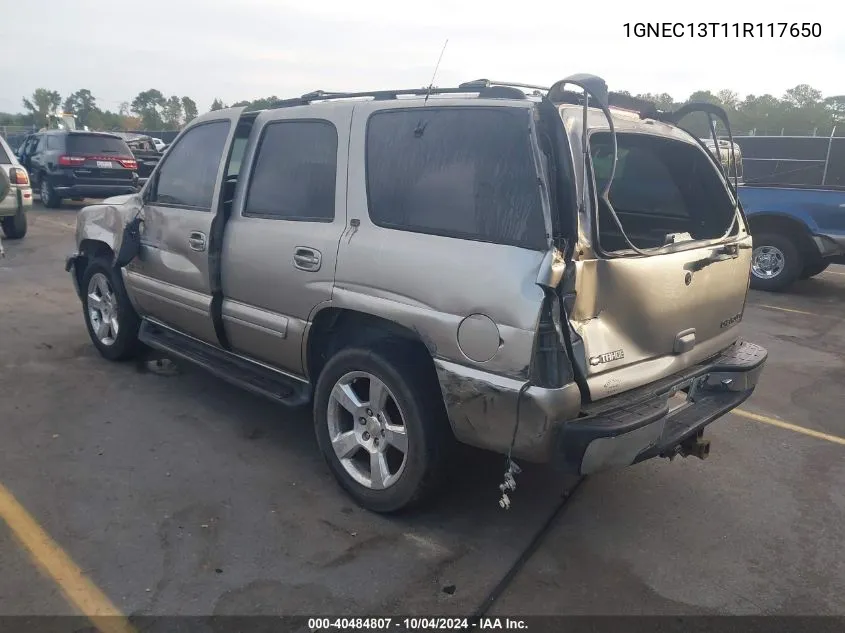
(294, 173)
(467, 173)
(189, 171)
(51, 142)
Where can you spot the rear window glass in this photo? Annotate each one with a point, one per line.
(458, 172)
(96, 144)
(659, 176)
(4, 157)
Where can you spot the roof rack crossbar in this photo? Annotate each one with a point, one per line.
(489, 83)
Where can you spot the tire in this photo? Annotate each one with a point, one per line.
(102, 279)
(14, 226)
(412, 396)
(775, 262)
(811, 270)
(49, 197)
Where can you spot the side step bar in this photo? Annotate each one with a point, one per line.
(240, 371)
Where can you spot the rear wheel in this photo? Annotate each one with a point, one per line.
(49, 197)
(381, 425)
(775, 262)
(817, 268)
(14, 227)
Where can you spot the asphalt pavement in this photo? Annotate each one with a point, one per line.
(173, 493)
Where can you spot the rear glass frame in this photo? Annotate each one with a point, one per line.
(696, 144)
(540, 241)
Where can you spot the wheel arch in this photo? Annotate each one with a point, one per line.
(89, 249)
(795, 230)
(331, 329)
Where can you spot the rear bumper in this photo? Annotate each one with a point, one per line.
(95, 191)
(629, 430)
(830, 246)
(18, 198)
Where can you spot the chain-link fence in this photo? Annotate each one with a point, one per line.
(15, 134)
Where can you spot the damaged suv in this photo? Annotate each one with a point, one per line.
(556, 275)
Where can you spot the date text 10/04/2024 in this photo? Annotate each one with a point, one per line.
(417, 624)
(723, 29)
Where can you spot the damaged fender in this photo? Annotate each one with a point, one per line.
(103, 224)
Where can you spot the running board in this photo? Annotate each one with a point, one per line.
(239, 371)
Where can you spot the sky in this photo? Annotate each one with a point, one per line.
(248, 49)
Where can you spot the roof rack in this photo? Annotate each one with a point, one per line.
(482, 87)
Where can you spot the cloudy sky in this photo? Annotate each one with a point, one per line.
(252, 48)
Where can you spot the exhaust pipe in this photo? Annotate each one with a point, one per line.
(695, 446)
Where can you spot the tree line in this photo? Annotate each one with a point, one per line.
(149, 110)
(801, 111)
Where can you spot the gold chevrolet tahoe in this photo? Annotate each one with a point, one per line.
(556, 275)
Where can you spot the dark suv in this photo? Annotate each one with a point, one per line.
(71, 164)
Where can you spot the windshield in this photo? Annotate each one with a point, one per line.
(96, 144)
(663, 191)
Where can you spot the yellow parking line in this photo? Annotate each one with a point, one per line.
(763, 305)
(53, 222)
(791, 427)
(52, 559)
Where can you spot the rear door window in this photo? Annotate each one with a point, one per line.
(96, 144)
(295, 172)
(458, 172)
(4, 156)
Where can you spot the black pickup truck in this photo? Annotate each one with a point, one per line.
(144, 151)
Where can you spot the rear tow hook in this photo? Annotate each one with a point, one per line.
(695, 446)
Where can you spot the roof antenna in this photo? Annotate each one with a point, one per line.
(434, 74)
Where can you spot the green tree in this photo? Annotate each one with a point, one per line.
(663, 101)
(803, 96)
(84, 106)
(728, 98)
(189, 107)
(217, 104)
(42, 104)
(149, 106)
(173, 113)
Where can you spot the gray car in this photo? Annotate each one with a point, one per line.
(533, 271)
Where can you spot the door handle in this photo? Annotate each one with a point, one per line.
(196, 240)
(308, 259)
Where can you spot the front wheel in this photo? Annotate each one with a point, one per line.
(14, 227)
(110, 318)
(775, 262)
(381, 425)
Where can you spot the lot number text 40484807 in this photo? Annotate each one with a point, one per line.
(415, 624)
(722, 29)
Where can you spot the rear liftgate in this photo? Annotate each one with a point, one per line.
(642, 314)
